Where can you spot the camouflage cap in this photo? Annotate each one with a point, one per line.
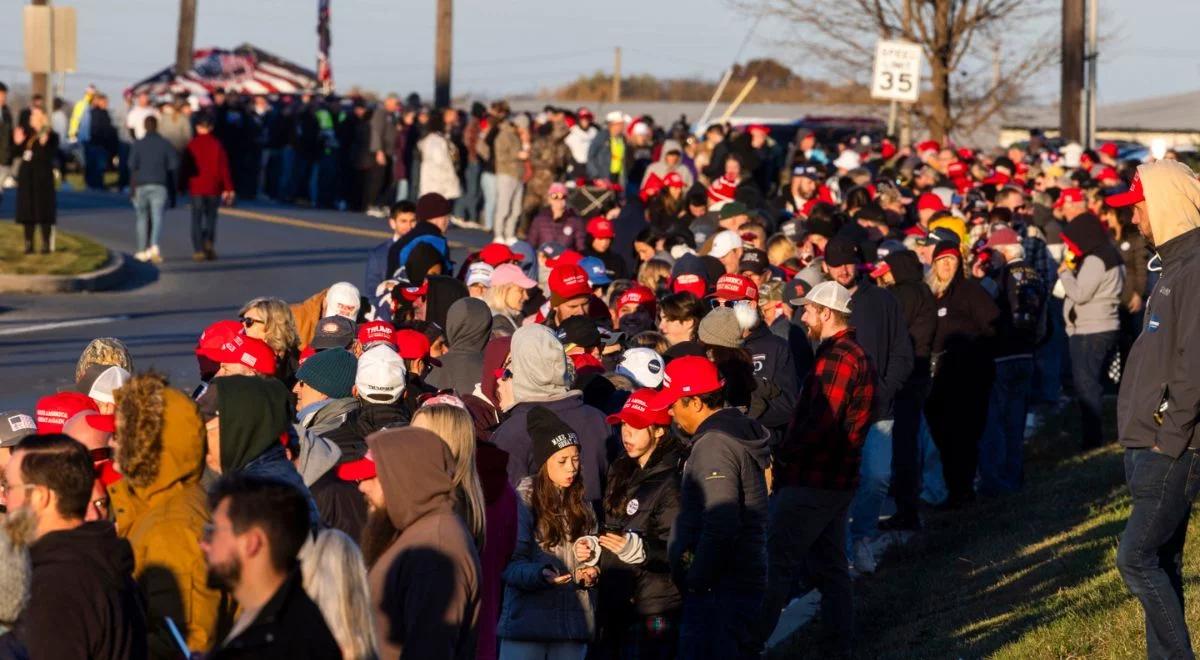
(106, 351)
(771, 291)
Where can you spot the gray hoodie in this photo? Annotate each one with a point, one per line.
(468, 328)
(722, 517)
(661, 169)
(1092, 297)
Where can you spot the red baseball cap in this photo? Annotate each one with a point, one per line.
(584, 112)
(736, 287)
(930, 202)
(306, 353)
(569, 281)
(376, 331)
(1107, 173)
(1070, 196)
(997, 179)
(358, 470)
(1108, 149)
(690, 375)
(212, 337)
(636, 295)
(240, 349)
(414, 293)
(414, 345)
(103, 423)
(600, 227)
(956, 170)
(54, 410)
(1131, 196)
(567, 258)
(636, 411)
(881, 268)
(690, 282)
(494, 254)
(928, 145)
(758, 128)
(673, 180)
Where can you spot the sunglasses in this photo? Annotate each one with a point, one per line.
(248, 322)
(557, 196)
(717, 302)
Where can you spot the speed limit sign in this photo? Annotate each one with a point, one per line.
(897, 74)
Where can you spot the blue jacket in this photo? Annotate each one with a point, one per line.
(376, 268)
(599, 162)
(423, 232)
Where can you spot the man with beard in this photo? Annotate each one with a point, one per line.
(258, 526)
(84, 602)
(817, 466)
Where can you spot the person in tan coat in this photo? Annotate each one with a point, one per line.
(425, 584)
(160, 508)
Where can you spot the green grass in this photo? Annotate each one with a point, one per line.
(1030, 575)
(73, 254)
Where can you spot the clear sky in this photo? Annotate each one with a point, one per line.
(511, 46)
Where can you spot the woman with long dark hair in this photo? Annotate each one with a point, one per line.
(962, 369)
(548, 600)
(640, 506)
(37, 207)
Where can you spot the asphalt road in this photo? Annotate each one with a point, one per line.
(264, 249)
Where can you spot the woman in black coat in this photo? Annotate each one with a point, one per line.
(639, 604)
(962, 370)
(36, 145)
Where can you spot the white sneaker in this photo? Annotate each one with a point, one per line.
(153, 254)
(376, 212)
(143, 256)
(864, 557)
(459, 222)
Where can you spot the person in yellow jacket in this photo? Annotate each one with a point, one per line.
(161, 509)
(81, 106)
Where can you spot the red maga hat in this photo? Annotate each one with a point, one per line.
(1108, 149)
(637, 413)
(930, 202)
(686, 376)
(358, 470)
(1131, 196)
(240, 349)
(636, 295)
(736, 287)
(414, 345)
(376, 331)
(1069, 196)
(691, 283)
(569, 281)
(54, 410)
(494, 254)
(601, 227)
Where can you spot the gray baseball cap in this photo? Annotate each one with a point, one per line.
(15, 425)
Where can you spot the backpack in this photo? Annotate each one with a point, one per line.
(1026, 296)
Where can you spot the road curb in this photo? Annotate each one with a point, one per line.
(111, 274)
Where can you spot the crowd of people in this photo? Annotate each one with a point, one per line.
(567, 444)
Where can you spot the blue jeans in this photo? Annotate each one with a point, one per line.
(1001, 448)
(204, 220)
(1150, 557)
(487, 185)
(933, 481)
(509, 191)
(401, 189)
(467, 206)
(149, 201)
(874, 475)
(719, 625)
(1090, 355)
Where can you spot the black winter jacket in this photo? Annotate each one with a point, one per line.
(919, 307)
(289, 627)
(880, 329)
(83, 601)
(649, 503)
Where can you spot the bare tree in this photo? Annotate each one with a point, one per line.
(970, 80)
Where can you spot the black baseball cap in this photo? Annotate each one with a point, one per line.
(753, 260)
(840, 251)
(334, 332)
(581, 331)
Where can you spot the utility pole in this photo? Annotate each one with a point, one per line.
(616, 80)
(186, 38)
(1089, 119)
(442, 53)
(40, 82)
(1070, 110)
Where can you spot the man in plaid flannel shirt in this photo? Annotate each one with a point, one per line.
(817, 467)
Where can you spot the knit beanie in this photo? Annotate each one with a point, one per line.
(548, 434)
(720, 328)
(330, 372)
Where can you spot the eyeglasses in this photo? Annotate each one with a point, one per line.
(717, 302)
(557, 196)
(248, 322)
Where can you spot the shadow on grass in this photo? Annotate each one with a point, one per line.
(978, 579)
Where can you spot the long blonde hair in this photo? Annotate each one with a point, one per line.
(495, 297)
(654, 273)
(454, 426)
(281, 325)
(335, 578)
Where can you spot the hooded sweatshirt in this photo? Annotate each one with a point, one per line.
(541, 372)
(468, 327)
(443, 292)
(661, 169)
(254, 418)
(1159, 400)
(425, 586)
(919, 307)
(722, 517)
(161, 509)
(1094, 290)
(83, 601)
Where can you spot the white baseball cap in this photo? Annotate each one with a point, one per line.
(644, 366)
(99, 382)
(829, 294)
(479, 273)
(848, 160)
(725, 242)
(380, 375)
(614, 117)
(342, 293)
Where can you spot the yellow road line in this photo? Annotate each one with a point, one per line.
(319, 226)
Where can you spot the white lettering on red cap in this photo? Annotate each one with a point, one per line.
(249, 360)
